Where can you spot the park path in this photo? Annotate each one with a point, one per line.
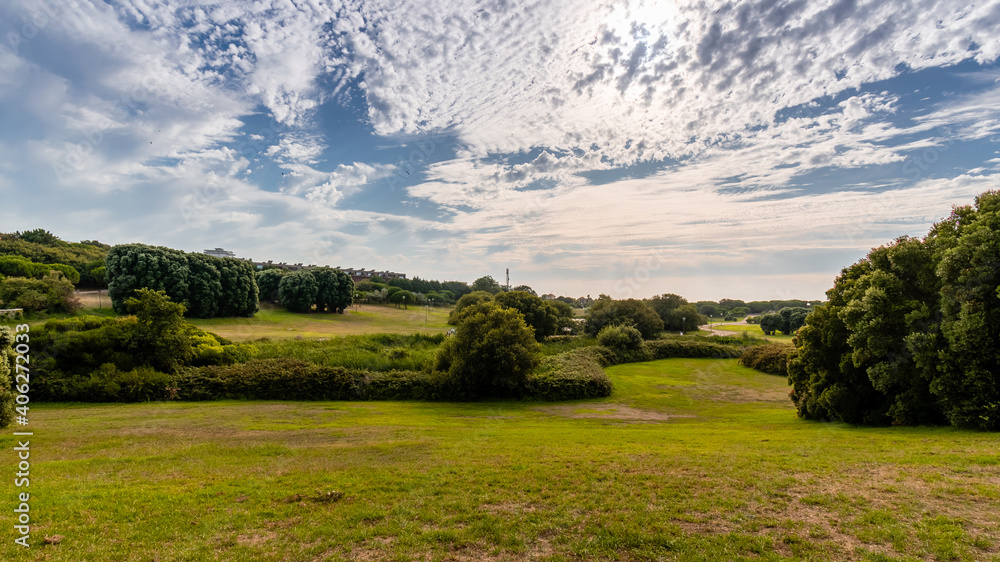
(714, 332)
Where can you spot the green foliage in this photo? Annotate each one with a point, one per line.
(620, 338)
(543, 317)
(488, 284)
(771, 322)
(525, 289)
(674, 346)
(297, 291)
(52, 293)
(402, 297)
(491, 353)
(206, 285)
(269, 379)
(630, 312)
(910, 332)
(42, 247)
(771, 359)
(267, 283)
(16, 266)
(7, 375)
(473, 298)
(572, 375)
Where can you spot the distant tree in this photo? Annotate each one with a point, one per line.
(542, 316)
(327, 288)
(345, 293)
(729, 304)
(676, 313)
(267, 283)
(39, 236)
(710, 310)
(771, 322)
(491, 353)
(402, 297)
(792, 318)
(525, 289)
(630, 312)
(204, 286)
(487, 284)
(475, 297)
(297, 291)
(402, 283)
(363, 286)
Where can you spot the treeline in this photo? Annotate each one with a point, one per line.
(207, 286)
(42, 247)
(733, 309)
(321, 288)
(911, 334)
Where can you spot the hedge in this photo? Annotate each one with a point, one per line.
(771, 359)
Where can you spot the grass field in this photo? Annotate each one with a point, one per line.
(753, 330)
(690, 459)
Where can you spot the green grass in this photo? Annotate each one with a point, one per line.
(690, 459)
(276, 322)
(374, 352)
(753, 330)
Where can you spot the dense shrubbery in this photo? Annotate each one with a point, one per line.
(719, 347)
(323, 288)
(52, 293)
(207, 286)
(546, 318)
(910, 332)
(569, 376)
(42, 247)
(83, 358)
(771, 359)
(620, 338)
(372, 352)
(16, 266)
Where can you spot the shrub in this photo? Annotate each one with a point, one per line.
(771, 359)
(491, 353)
(411, 385)
(473, 298)
(569, 376)
(620, 338)
(269, 379)
(51, 293)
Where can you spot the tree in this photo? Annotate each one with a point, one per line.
(475, 297)
(267, 283)
(488, 284)
(240, 296)
(676, 313)
(402, 297)
(327, 288)
(710, 310)
(525, 289)
(204, 286)
(792, 318)
(52, 293)
(297, 291)
(345, 294)
(136, 266)
(967, 248)
(630, 312)
(771, 322)
(492, 352)
(159, 339)
(543, 317)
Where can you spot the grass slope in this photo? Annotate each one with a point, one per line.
(692, 459)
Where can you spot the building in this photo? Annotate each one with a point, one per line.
(219, 253)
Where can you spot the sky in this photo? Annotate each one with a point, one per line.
(744, 149)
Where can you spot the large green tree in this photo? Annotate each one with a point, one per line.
(543, 317)
(486, 283)
(297, 291)
(491, 353)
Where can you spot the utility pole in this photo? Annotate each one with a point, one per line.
(508, 279)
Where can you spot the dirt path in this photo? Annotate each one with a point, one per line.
(714, 332)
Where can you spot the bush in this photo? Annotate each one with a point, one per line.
(52, 293)
(620, 338)
(491, 353)
(411, 385)
(269, 379)
(572, 375)
(771, 359)
(108, 384)
(471, 299)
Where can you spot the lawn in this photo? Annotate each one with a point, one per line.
(690, 459)
(276, 322)
(754, 330)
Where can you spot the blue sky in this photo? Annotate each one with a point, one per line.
(744, 150)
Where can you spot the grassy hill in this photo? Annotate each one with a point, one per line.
(691, 459)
